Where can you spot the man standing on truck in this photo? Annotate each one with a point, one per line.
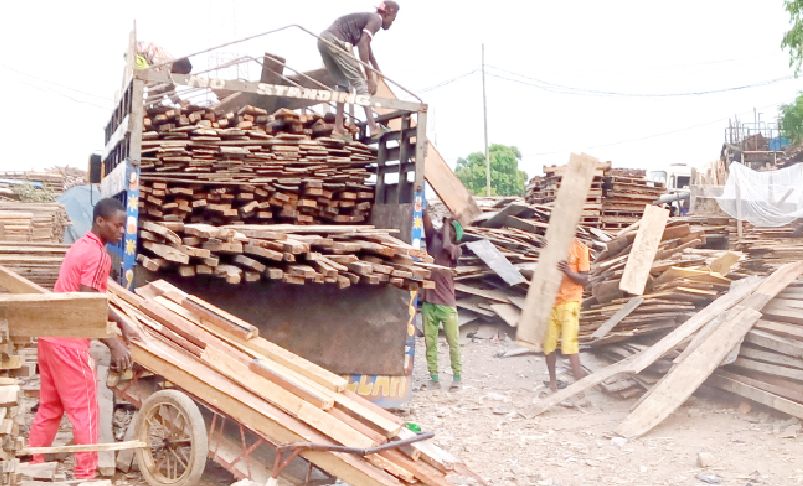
(440, 306)
(336, 47)
(564, 323)
(67, 375)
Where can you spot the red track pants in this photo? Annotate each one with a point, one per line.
(67, 386)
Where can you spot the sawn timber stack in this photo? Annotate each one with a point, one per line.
(285, 399)
(202, 166)
(295, 254)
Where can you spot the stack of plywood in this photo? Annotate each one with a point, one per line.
(295, 254)
(218, 358)
(616, 198)
(200, 166)
(33, 222)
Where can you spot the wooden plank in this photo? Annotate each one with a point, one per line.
(774, 342)
(65, 314)
(617, 317)
(640, 361)
(746, 362)
(765, 398)
(645, 246)
(508, 312)
(104, 447)
(675, 387)
(12, 282)
(559, 236)
(496, 261)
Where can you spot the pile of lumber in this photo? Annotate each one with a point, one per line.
(33, 222)
(769, 366)
(761, 312)
(615, 201)
(200, 166)
(219, 358)
(296, 254)
(492, 289)
(37, 262)
(54, 181)
(767, 248)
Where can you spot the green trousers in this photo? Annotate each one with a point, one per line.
(433, 315)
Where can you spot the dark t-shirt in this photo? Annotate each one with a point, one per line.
(443, 293)
(348, 28)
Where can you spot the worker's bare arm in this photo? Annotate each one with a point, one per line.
(121, 357)
(580, 278)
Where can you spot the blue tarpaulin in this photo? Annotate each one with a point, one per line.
(79, 201)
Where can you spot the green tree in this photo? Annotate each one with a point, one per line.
(793, 39)
(792, 120)
(506, 178)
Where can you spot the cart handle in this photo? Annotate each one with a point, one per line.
(298, 447)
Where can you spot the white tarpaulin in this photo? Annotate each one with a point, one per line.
(765, 199)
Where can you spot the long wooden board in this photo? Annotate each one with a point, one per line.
(730, 383)
(639, 362)
(676, 386)
(496, 261)
(559, 236)
(615, 319)
(645, 246)
(68, 314)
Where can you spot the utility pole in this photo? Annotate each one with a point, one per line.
(485, 124)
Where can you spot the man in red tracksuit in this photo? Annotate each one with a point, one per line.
(66, 370)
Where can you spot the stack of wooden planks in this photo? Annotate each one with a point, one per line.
(516, 232)
(767, 248)
(33, 222)
(55, 180)
(296, 254)
(200, 166)
(38, 262)
(283, 398)
(615, 201)
(769, 366)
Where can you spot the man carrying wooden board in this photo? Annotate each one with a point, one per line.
(564, 323)
(440, 305)
(67, 375)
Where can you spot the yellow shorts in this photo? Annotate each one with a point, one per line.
(564, 323)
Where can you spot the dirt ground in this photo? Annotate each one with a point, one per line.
(486, 424)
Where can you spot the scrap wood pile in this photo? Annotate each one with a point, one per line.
(37, 262)
(295, 254)
(50, 182)
(220, 359)
(493, 289)
(683, 277)
(767, 248)
(201, 166)
(615, 201)
(769, 366)
(749, 339)
(33, 222)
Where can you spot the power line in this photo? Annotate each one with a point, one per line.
(86, 93)
(65, 95)
(448, 81)
(654, 135)
(563, 89)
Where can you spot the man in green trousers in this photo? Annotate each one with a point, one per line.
(440, 306)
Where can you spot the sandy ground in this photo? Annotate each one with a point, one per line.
(486, 424)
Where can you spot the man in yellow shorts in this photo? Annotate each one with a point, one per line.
(564, 324)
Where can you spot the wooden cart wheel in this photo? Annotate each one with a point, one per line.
(173, 426)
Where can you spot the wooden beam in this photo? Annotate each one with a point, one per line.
(64, 314)
(645, 246)
(615, 319)
(13, 282)
(559, 236)
(733, 385)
